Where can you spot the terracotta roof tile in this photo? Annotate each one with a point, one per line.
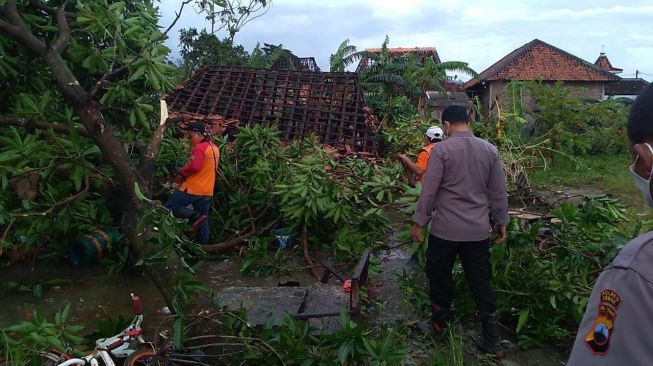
(404, 50)
(540, 60)
(453, 87)
(605, 64)
(401, 51)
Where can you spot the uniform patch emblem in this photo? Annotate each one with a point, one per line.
(598, 338)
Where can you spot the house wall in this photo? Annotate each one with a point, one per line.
(494, 91)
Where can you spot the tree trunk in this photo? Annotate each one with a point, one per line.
(163, 274)
(421, 107)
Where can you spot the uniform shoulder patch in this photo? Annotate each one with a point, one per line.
(598, 337)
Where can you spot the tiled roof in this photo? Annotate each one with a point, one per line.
(423, 52)
(539, 60)
(439, 99)
(626, 86)
(329, 105)
(605, 64)
(453, 87)
(400, 51)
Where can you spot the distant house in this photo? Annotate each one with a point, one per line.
(453, 94)
(538, 60)
(626, 89)
(422, 52)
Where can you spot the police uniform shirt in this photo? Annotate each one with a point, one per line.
(617, 328)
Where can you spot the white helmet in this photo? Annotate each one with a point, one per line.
(435, 133)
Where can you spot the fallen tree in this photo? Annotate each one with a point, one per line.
(79, 81)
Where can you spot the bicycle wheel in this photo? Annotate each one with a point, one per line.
(144, 357)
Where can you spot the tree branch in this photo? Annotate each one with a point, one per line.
(18, 29)
(110, 75)
(52, 206)
(25, 123)
(217, 248)
(149, 156)
(64, 36)
(38, 4)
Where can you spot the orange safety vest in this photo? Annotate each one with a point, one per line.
(423, 159)
(201, 181)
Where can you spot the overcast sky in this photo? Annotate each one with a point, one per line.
(479, 32)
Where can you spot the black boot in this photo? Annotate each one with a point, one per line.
(491, 343)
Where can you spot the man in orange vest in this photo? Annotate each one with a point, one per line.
(196, 182)
(432, 136)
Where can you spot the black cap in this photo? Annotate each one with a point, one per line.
(196, 126)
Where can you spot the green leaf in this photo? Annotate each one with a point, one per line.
(56, 342)
(523, 318)
(344, 351)
(24, 327)
(178, 333)
(139, 194)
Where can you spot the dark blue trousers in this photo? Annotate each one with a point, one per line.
(178, 203)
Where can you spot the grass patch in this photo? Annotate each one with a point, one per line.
(602, 173)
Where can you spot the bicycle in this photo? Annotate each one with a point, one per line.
(119, 346)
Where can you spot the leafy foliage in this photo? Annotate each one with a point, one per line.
(345, 55)
(338, 201)
(565, 122)
(264, 57)
(263, 259)
(20, 343)
(232, 15)
(201, 48)
(546, 271)
(296, 343)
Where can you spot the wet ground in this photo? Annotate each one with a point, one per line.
(93, 296)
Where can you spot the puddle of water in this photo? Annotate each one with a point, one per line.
(90, 292)
(93, 295)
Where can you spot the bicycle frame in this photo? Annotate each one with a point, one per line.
(121, 345)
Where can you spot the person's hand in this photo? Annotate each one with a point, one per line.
(500, 230)
(416, 233)
(179, 179)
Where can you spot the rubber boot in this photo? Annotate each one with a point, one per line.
(491, 343)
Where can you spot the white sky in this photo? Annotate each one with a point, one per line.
(479, 32)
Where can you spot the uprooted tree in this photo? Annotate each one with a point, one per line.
(79, 81)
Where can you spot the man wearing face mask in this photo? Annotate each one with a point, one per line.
(464, 180)
(196, 182)
(618, 322)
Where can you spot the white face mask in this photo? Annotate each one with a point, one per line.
(641, 183)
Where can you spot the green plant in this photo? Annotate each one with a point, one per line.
(415, 289)
(20, 343)
(294, 342)
(260, 261)
(544, 274)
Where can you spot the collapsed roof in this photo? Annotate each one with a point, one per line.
(329, 105)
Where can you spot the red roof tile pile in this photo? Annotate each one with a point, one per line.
(214, 123)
